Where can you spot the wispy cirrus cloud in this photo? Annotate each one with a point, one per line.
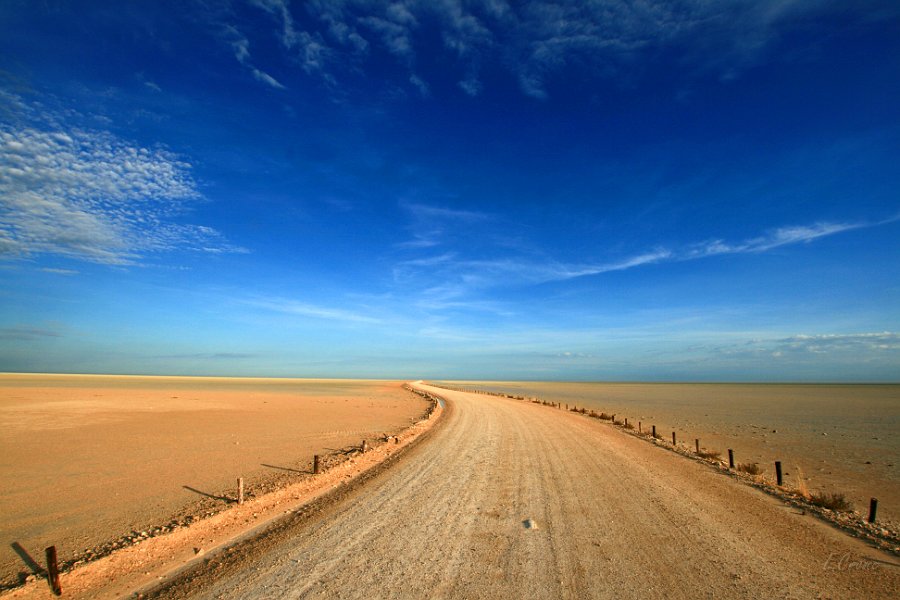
(535, 40)
(207, 356)
(303, 309)
(459, 277)
(429, 224)
(57, 271)
(782, 236)
(240, 45)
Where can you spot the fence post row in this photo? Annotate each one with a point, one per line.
(779, 476)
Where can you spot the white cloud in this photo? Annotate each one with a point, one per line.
(843, 346)
(91, 196)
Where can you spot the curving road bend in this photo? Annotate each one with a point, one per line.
(509, 499)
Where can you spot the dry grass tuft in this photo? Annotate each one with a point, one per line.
(713, 454)
(833, 501)
(750, 468)
(801, 484)
(629, 426)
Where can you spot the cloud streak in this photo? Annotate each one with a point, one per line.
(813, 347)
(459, 277)
(240, 45)
(783, 236)
(303, 309)
(27, 334)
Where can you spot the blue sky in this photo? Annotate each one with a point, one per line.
(534, 190)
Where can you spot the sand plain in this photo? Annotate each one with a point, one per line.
(509, 499)
(86, 459)
(844, 438)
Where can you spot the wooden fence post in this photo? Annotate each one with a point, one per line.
(53, 570)
(317, 464)
(654, 431)
(730, 458)
(873, 506)
(697, 445)
(240, 490)
(673, 439)
(778, 476)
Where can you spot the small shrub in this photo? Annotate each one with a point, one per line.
(834, 501)
(750, 468)
(629, 426)
(713, 454)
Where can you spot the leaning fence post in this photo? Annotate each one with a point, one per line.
(873, 506)
(53, 570)
(730, 458)
(778, 476)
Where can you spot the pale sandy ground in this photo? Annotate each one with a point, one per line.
(87, 459)
(509, 499)
(858, 455)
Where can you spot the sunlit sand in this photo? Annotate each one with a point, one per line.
(86, 459)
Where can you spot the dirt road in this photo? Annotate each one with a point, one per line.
(515, 500)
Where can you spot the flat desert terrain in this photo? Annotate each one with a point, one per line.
(509, 499)
(844, 438)
(87, 459)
